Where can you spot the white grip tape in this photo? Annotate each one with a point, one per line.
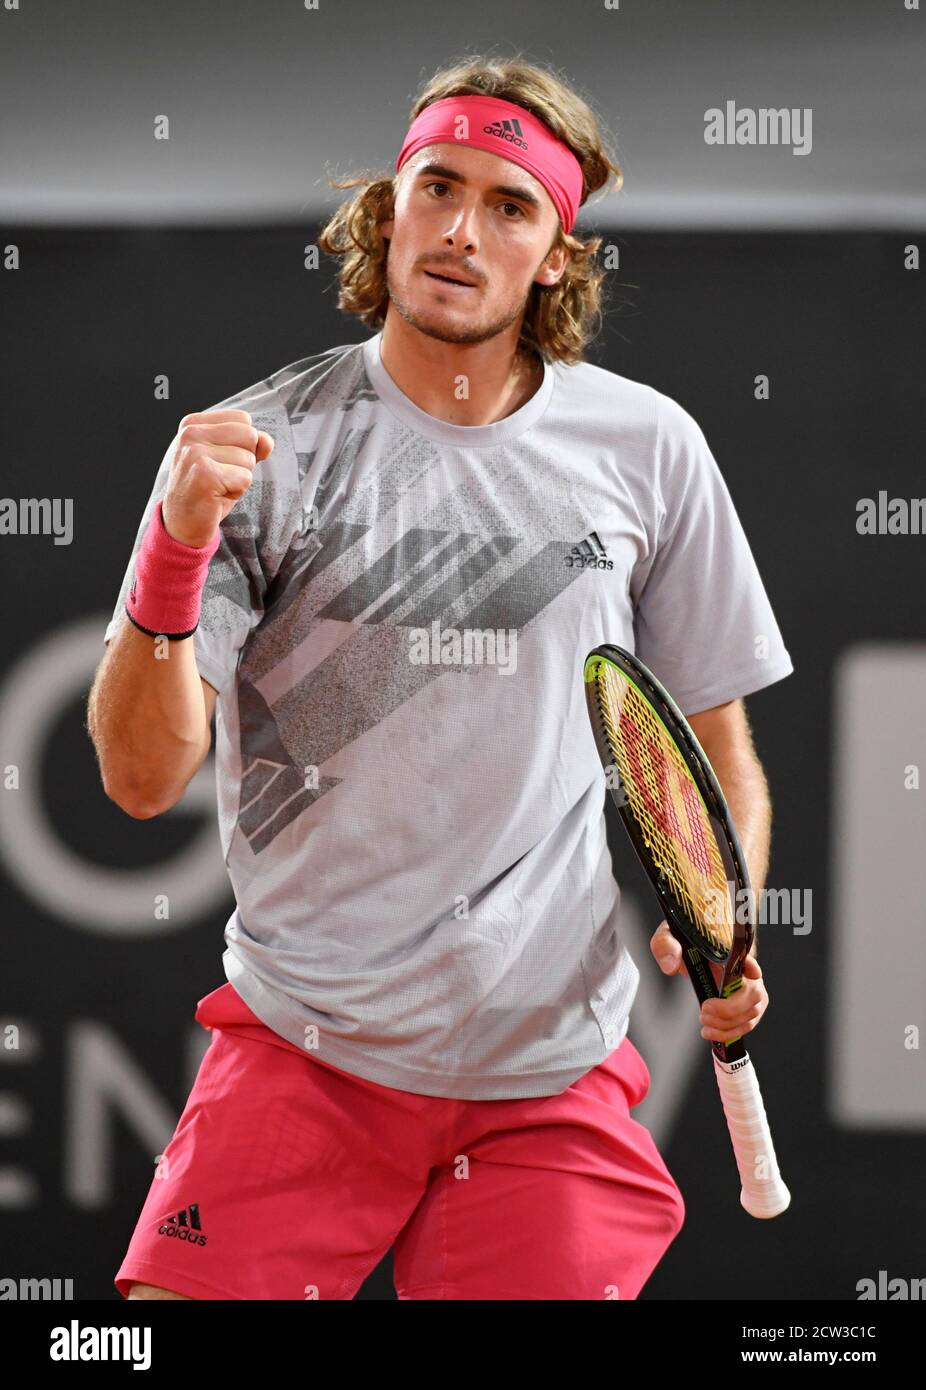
(764, 1193)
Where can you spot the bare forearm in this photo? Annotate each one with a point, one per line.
(147, 719)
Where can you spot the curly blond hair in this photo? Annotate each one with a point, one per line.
(559, 320)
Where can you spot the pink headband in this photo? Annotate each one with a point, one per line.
(507, 130)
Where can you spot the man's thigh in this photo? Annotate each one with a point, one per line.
(284, 1179)
(560, 1197)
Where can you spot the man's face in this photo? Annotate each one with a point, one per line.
(476, 216)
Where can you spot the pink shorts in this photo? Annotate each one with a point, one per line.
(287, 1178)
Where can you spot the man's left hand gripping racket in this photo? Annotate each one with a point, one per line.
(673, 810)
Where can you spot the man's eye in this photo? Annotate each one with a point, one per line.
(518, 209)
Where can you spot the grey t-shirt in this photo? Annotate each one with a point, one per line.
(410, 801)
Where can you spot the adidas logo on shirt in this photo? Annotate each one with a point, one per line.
(184, 1225)
(589, 554)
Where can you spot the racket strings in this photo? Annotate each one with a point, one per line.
(666, 804)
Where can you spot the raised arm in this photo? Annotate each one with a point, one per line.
(150, 721)
(149, 710)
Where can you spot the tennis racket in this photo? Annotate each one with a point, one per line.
(673, 810)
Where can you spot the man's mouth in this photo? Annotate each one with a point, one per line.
(446, 280)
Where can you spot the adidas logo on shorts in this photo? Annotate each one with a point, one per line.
(184, 1225)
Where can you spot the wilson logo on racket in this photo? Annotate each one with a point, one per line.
(659, 773)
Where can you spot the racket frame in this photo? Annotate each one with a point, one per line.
(697, 950)
(765, 1196)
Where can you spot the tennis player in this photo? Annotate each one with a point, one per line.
(382, 566)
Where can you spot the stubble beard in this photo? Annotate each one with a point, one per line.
(435, 326)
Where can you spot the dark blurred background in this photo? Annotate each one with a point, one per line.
(129, 261)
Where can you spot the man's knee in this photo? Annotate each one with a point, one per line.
(152, 1291)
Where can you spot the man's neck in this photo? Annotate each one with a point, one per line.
(460, 383)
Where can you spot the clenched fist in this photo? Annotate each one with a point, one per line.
(211, 470)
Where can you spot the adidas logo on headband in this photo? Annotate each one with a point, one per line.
(507, 130)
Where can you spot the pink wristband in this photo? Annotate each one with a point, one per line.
(166, 596)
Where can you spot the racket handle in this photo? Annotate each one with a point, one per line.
(764, 1193)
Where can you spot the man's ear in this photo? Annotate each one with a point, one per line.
(554, 266)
